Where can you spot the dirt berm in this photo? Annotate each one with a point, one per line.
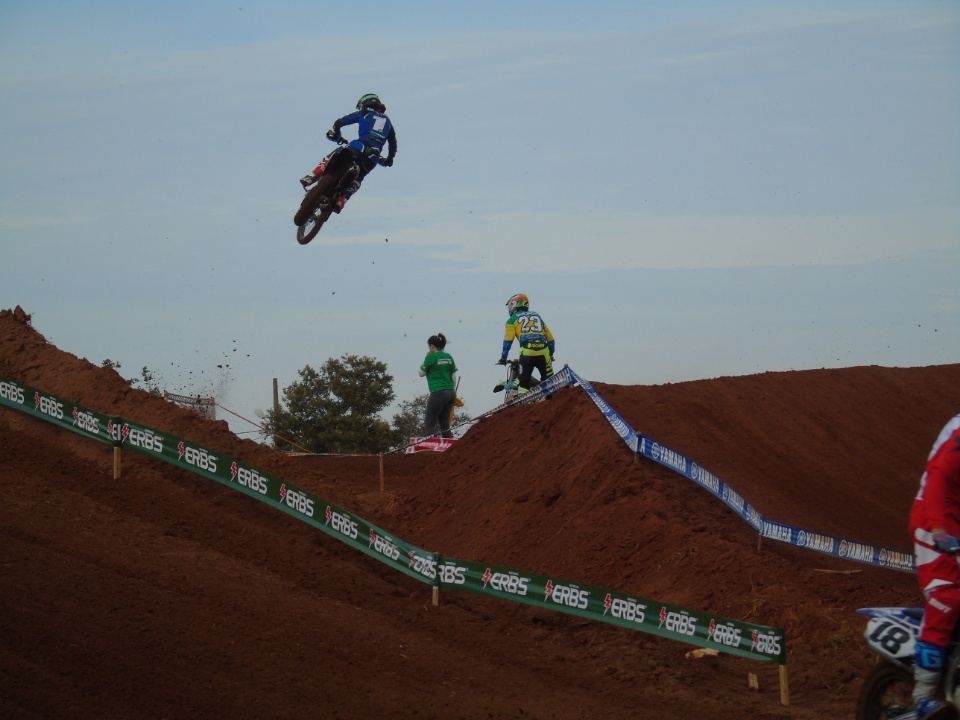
(165, 595)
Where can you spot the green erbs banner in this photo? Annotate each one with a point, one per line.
(549, 592)
(62, 413)
(617, 608)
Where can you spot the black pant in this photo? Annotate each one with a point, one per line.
(439, 410)
(528, 363)
(366, 163)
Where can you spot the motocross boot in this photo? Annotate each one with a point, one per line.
(925, 702)
(934, 709)
(308, 180)
(347, 194)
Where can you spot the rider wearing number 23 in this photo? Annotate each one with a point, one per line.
(935, 526)
(535, 339)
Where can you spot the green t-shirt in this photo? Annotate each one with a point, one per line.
(439, 367)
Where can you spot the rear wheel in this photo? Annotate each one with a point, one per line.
(887, 693)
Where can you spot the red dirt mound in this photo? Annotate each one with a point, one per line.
(166, 595)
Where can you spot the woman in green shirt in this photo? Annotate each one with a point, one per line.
(440, 370)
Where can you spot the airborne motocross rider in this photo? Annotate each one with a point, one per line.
(374, 129)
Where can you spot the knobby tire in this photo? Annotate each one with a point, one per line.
(886, 693)
(307, 222)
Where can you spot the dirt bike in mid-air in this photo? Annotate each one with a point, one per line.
(336, 173)
(887, 693)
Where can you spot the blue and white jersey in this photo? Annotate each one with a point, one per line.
(374, 129)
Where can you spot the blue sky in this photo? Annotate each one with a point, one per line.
(684, 190)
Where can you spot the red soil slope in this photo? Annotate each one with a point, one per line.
(167, 595)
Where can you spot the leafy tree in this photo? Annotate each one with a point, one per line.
(409, 421)
(335, 409)
(150, 381)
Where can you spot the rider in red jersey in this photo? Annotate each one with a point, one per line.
(935, 528)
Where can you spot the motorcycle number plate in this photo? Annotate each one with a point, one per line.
(891, 637)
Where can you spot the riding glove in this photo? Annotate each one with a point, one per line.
(946, 543)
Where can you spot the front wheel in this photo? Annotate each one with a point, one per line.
(315, 209)
(308, 230)
(887, 694)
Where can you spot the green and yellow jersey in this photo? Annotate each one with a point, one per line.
(531, 333)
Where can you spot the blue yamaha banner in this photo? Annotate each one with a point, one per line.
(820, 542)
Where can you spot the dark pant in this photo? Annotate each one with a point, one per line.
(366, 163)
(439, 410)
(528, 363)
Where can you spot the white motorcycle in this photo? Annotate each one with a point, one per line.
(887, 693)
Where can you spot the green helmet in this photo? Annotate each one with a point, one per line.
(370, 101)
